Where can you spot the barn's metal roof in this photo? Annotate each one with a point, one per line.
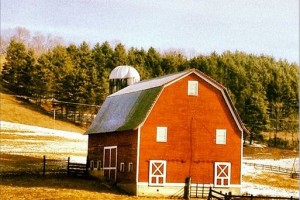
(129, 107)
(124, 112)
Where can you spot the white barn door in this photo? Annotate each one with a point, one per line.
(110, 163)
(222, 174)
(157, 172)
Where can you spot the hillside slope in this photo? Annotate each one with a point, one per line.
(14, 110)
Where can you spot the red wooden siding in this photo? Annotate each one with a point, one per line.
(126, 142)
(191, 149)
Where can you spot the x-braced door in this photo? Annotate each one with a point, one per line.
(222, 174)
(110, 163)
(157, 172)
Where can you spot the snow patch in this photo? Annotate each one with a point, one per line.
(257, 189)
(72, 144)
(34, 130)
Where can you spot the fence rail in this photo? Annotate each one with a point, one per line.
(220, 196)
(293, 173)
(199, 190)
(77, 169)
(45, 166)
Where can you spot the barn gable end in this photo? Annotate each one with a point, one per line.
(128, 108)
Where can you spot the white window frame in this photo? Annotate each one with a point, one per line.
(92, 165)
(193, 88)
(130, 167)
(122, 167)
(221, 136)
(220, 174)
(162, 174)
(99, 166)
(161, 134)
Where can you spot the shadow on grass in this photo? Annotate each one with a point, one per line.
(57, 182)
(26, 171)
(11, 163)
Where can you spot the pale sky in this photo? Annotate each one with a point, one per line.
(268, 27)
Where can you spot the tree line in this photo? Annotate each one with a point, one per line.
(264, 90)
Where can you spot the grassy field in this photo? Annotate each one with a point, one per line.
(269, 153)
(67, 188)
(275, 180)
(17, 111)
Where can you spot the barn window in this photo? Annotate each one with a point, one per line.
(222, 174)
(91, 165)
(193, 88)
(161, 134)
(220, 136)
(99, 165)
(122, 167)
(130, 167)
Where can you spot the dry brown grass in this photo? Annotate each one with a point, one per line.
(17, 111)
(67, 188)
(33, 187)
(282, 135)
(20, 163)
(27, 137)
(274, 180)
(269, 153)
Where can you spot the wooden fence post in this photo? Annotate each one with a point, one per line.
(68, 167)
(209, 194)
(44, 165)
(187, 187)
(229, 195)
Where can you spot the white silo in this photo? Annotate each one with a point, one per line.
(121, 77)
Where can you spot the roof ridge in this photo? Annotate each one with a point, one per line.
(150, 83)
(161, 77)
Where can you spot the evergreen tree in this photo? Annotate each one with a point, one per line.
(17, 69)
(153, 62)
(119, 55)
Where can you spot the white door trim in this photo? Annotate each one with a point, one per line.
(109, 167)
(222, 174)
(157, 171)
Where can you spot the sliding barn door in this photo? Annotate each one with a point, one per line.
(110, 163)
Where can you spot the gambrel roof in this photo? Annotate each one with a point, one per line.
(128, 108)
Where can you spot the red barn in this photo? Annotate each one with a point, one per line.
(150, 136)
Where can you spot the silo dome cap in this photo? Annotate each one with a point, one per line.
(124, 72)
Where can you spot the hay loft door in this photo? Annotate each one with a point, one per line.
(222, 174)
(157, 172)
(110, 163)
